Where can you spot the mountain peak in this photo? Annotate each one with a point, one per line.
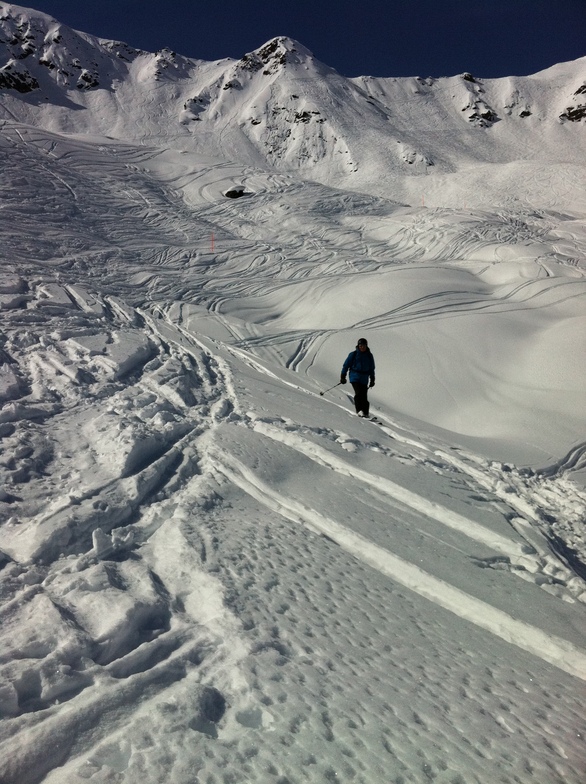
(283, 46)
(276, 54)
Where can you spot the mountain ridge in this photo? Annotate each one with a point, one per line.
(279, 107)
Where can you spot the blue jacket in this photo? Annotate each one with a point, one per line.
(361, 366)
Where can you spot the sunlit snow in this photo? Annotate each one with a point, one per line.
(209, 571)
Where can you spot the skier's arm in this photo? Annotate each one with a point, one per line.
(346, 365)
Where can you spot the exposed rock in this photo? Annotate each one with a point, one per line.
(13, 77)
(574, 113)
(235, 192)
(121, 50)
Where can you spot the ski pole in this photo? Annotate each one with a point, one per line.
(328, 390)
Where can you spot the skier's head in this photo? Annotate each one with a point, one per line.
(362, 344)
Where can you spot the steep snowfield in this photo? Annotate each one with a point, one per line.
(209, 571)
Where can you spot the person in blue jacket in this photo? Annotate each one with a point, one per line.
(360, 365)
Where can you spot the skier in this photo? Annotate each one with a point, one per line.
(360, 363)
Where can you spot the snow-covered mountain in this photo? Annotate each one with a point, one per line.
(279, 106)
(211, 570)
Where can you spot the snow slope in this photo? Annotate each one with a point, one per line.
(209, 571)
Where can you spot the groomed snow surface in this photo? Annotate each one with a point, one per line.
(210, 573)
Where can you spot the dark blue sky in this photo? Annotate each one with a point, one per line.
(489, 38)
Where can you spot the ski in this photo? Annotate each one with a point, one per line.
(373, 418)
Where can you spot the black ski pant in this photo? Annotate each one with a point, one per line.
(361, 397)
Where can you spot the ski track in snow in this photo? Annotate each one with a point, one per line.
(546, 646)
(153, 565)
(180, 649)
